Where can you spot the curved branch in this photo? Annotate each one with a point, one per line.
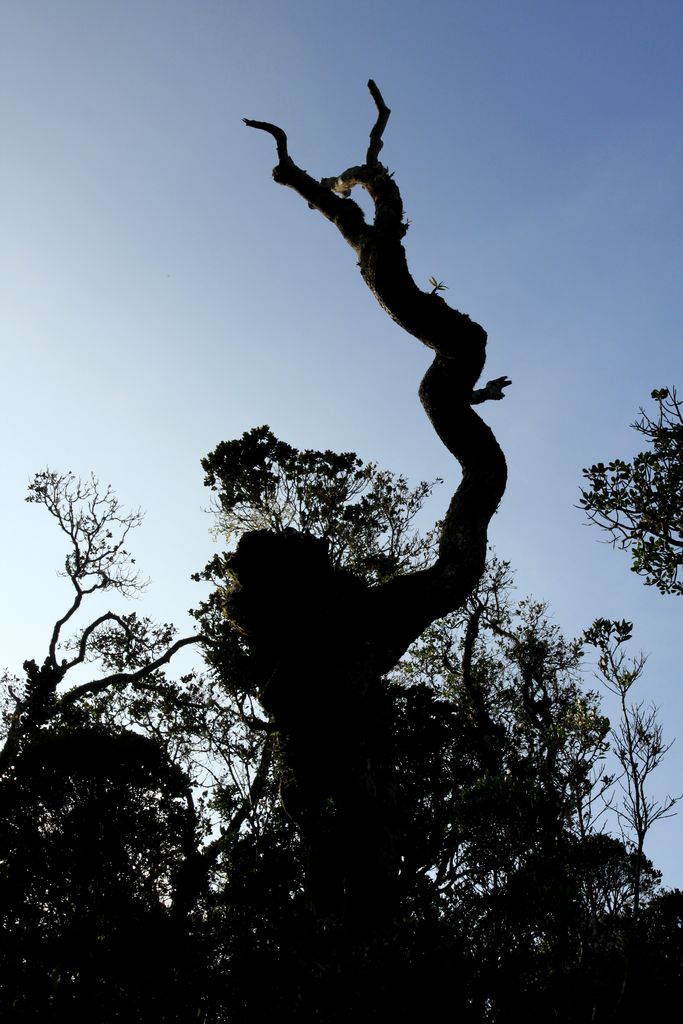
(383, 112)
(346, 215)
(56, 632)
(381, 256)
(87, 633)
(97, 685)
(277, 133)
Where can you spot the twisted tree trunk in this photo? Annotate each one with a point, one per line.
(321, 695)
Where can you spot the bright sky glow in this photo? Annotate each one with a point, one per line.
(160, 293)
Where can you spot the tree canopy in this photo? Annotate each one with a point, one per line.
(152, 815)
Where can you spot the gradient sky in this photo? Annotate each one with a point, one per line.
(160, 293)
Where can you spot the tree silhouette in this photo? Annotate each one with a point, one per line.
(385, 793)
(639, 503)
(321, 639)
(128, 649)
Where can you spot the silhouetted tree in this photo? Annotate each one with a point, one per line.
(320, 639)
(129, 650)
(637, 739)
(640, 503)
(97, 823)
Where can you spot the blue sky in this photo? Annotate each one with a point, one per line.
(160, 293)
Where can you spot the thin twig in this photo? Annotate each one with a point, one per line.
(249, 803)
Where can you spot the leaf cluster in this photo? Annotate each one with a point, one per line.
(640, 503)
(366, 515)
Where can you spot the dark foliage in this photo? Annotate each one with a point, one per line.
(640, 503)
(95, 825)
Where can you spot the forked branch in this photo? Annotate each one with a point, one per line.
(447, 392)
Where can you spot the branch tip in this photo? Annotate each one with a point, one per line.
(383, 112)
(492, 392)
(272, 129)
(377, 97)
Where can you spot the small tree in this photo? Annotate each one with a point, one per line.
(130, 650)
(640, 503)
(637, 740)
(97, 824)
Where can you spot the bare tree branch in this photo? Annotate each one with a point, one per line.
(97, 529)
(117, 678)
(446, 391)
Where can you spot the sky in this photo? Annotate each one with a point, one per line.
(159, 293)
